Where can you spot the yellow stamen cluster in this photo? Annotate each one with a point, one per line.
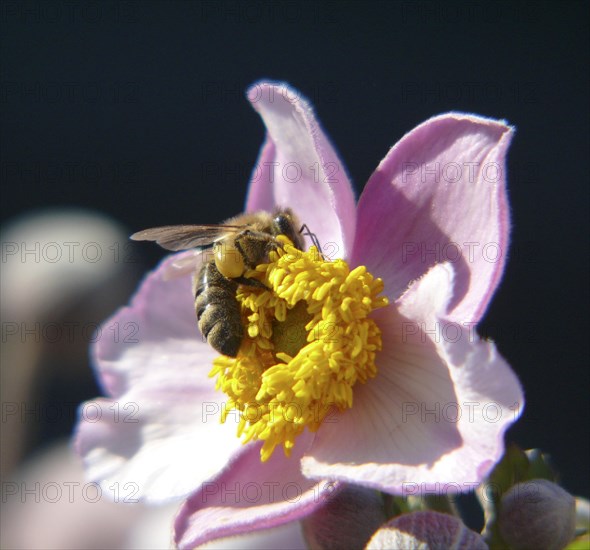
(309, 341)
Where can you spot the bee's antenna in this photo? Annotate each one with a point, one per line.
(313, 238)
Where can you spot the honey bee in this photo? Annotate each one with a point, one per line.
(239, 244)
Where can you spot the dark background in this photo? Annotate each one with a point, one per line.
(137, 110)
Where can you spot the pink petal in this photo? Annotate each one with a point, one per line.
(161, 313)
(440, 195)
(435, 415)
(148, 440)
(298, 167)
(261, 189)
(250, 495)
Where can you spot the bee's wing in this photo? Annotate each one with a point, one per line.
(183, 237)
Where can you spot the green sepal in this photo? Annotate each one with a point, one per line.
(580, 543)
(397, 505)
(540, 466)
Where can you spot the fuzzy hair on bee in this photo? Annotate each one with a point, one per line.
(239, 244)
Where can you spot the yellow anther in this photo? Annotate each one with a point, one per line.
(309, 341)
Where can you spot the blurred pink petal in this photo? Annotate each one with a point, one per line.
(49, 504)
(286, 536)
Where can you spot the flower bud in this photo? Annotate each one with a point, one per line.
(347, 520)
(537, 514)
(426, 531)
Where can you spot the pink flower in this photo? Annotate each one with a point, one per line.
(432, 222)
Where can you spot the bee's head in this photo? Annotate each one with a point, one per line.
(286, 223)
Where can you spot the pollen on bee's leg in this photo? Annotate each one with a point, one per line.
(309, 340)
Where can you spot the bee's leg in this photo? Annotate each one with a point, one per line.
(312, 236)
(254, 247)
(250, 282)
